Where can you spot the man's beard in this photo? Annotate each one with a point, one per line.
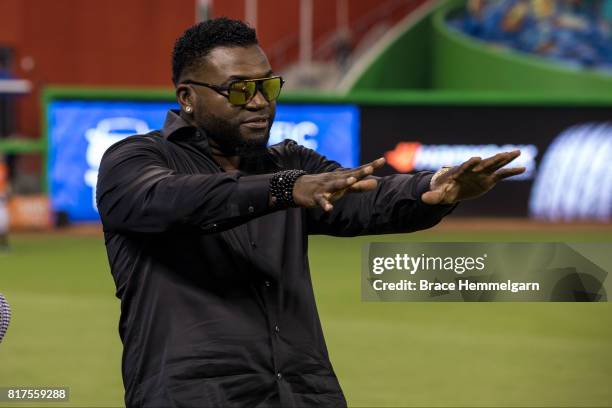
(231, 142)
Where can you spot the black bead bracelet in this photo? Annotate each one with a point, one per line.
(281, 186)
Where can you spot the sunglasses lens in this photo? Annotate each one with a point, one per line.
(271, 88)
(241, 93)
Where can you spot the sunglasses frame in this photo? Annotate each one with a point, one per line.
(225, 90)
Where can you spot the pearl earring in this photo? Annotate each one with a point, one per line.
(188, 109)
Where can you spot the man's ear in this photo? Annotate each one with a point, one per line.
(185, 97)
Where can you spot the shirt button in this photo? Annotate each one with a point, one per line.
(267, 283)
(251, 209)
(279, 376)
(276, 329)
(253, 244)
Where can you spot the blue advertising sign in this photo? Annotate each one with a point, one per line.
(80, 131)
(332, 130)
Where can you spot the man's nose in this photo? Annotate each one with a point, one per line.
(258, 101)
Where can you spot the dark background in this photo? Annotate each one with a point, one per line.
(383, 127)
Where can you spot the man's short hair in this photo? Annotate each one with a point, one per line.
(199, 40)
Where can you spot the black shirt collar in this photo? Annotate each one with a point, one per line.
(177, 128)
(175, 124)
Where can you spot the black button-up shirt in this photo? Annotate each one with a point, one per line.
(217, 305)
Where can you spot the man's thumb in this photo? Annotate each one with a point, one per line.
(432, 197)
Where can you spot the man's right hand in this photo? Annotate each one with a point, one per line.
(323, 189)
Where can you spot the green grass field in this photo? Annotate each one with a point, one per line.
(65, 314)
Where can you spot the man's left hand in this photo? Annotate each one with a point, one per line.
(470, 179)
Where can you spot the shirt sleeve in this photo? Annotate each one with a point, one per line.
(395, 206)
(138, 192)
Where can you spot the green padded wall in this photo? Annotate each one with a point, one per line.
(461, 62)
(404, 64)
(430, 55)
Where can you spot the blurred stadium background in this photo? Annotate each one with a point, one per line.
(427, 83)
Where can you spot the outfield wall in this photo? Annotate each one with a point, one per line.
(566, 141)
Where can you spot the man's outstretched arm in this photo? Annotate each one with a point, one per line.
(406, 203)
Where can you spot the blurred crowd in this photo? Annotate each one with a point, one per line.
(572, 32)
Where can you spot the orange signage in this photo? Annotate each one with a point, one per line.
(30, 212)
(3, 178)
(402, 157)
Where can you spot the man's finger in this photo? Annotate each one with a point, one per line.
(469, 165)
(358, 187)
(323, 202)
(490, 164)
(361, 172)
(364, 185)
(505, 173)
(341, 183)
(376, 164)
(498, 161)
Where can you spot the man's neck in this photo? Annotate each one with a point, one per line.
(228, 163)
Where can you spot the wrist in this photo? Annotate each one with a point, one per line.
(437, 175)
(281, 188)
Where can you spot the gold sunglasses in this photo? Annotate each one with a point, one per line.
(242, 91)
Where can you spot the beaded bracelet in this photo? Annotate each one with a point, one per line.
(281, 186)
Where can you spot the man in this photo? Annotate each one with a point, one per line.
(207, 230)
